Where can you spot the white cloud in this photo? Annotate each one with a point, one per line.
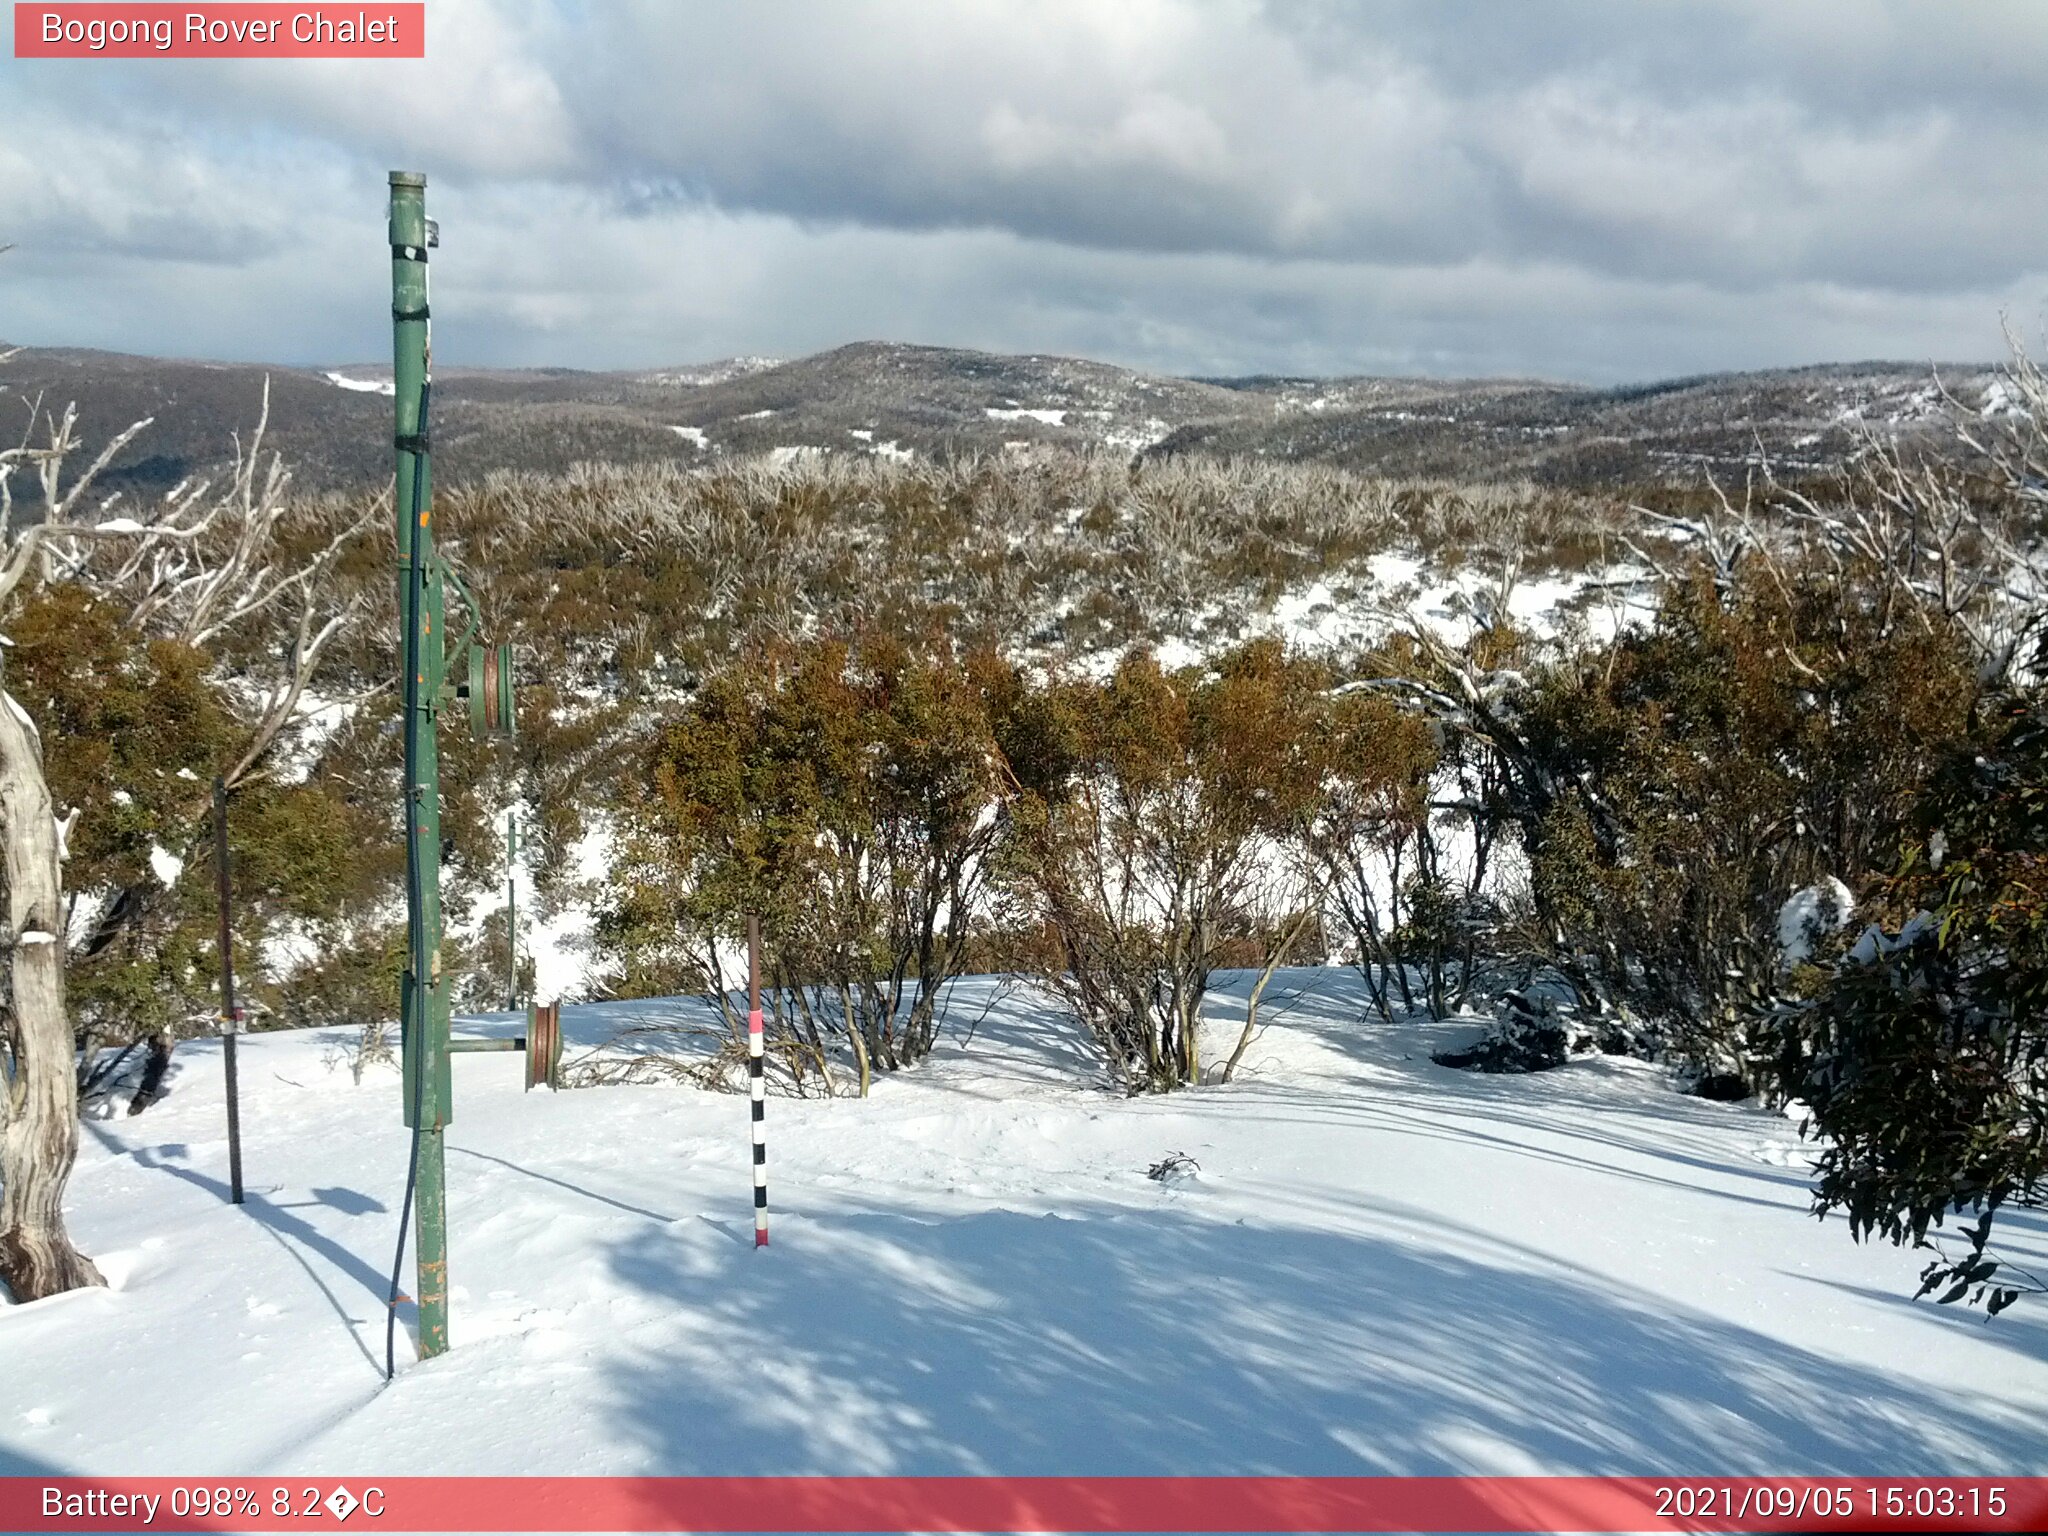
(1584, 190)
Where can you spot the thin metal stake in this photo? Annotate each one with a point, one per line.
(757, 1086)
(512, 908)
(230, 1023)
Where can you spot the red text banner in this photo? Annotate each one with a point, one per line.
(1198, 1504)
(115, 30)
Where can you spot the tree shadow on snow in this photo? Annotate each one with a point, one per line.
(295, 1235)
(1578, 1102)
(1470, 1125)
(18, 1463)
(1168, 1344)
(2023, 1329)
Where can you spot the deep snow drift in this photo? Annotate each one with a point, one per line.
(1380, 1266)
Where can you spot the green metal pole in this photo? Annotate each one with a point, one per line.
(425, 996)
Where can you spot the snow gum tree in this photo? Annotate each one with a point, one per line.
(1770, 727)
(178, 579)
(1365, 841)
(1160, 836)
(1753, 741)
(1923, 1054)
(849, 796)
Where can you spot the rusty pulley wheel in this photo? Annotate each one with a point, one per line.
(491, 711)
(544, 1045)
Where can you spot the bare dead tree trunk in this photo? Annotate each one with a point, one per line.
(167, 575)
(40, 1091)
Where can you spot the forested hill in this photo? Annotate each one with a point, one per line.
(889, 400)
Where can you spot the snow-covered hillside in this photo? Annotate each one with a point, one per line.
(333, 423)
(1380, 1266)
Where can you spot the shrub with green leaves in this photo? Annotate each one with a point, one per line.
(847, 795)
(1159, 841)
(1923, 1057)
(1673, 789)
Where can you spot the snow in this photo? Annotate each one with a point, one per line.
(890, 450)
(694, 436)
(1536, 603)
(559, 938)
(1873, 942)
(290, 943)
(2002, 399)
(1392, 590)
(716, 373)
(1138, 438)
(165, 865)
(1045, 417)
(121, 525)
(1810, 914)
(1380, 1266)
(1309, 617)
(315, 720)
(362, 386)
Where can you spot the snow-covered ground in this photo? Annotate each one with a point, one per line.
(1341, 611)
(1380, 1266)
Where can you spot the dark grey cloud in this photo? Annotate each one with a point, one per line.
(1574, 189)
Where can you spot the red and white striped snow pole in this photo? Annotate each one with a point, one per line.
(757, 1085)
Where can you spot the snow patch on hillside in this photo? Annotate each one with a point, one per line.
(2002, 399)
(361, 386)
(703, 375)
(1136, 439)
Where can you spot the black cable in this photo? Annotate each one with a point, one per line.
(414, 885)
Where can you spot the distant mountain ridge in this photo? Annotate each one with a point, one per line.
(895, 400)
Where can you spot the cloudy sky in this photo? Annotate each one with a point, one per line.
(1576, 190)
